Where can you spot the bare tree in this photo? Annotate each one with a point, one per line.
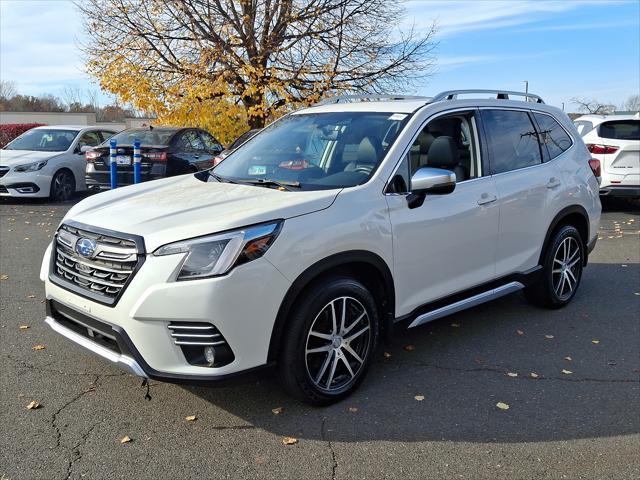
(265, 54)
(632, 104)
(591, 105)
(7, 89)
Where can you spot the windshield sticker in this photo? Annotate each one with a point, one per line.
(257, 170)
(398, 116)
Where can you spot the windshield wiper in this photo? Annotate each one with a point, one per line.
(270, 183)
(219, 178)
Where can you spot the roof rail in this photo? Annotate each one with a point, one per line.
(368, 98)
(500, 95)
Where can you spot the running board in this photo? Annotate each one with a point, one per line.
(467, 303)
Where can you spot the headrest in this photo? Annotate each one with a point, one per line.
(425, 139)
(443, 153)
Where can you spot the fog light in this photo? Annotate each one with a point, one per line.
(210, 355)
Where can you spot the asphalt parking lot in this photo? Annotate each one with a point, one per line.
(580, 418)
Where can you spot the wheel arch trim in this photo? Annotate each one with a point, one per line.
(323, 267)
(557, 220)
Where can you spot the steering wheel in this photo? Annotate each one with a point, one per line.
(363, 169)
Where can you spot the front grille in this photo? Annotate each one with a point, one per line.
(194, 337)
(3, 171)
(102, 272)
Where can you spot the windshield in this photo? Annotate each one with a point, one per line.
(315, 151)
(43, 140)
(157, 136)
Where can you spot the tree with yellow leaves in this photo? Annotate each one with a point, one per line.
(231, 64)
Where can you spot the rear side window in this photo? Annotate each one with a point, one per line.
(583, 127)
(512, 140)
(620, 130)
(552, 135)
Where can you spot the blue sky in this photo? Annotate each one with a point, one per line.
(563, 48)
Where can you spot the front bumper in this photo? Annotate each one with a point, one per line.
(25, 184)
(242, 305)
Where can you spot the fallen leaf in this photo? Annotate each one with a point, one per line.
(4, 277)
(636, 293)
(386, 355)
(502, 406)
(455, 325)
(27, 238)
(595, 342)
(419, 398)
(31, 296)
(289, 440)
(353, 409)
(24, 327)
(91, 389)
(33, 405)
(38, 347)
(624, 266)
(125, 439)
(409, 348)
(567, 372)
(548, 337)
(512, 374)
(277, 411)
(534, 375)
(611, 362)
(519, 332)
(190, 418)
(568, 359)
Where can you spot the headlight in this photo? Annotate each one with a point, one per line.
(30, 167)
(215, 255)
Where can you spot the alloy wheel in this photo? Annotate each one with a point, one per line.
(337, 344)
(62, 186)
(566, 268)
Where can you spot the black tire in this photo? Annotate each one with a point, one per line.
(299, 369)
(63, 186)
(559, 281)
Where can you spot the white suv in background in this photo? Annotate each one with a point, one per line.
(316, 236)
(48, 161)
(614, 140)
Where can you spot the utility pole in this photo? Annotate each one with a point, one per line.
(563, 106)
(526, 86)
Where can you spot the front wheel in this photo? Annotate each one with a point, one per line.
(329, 342)
(63, 186)
(561, 270)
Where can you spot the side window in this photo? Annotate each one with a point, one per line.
(106, 135)
(194, 139)
(449, 142)
(90, 139)
(552, 135)
(512, 139)
(401, 181)
(210, 143)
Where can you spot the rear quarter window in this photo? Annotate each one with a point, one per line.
(620, 130)
(553, 136)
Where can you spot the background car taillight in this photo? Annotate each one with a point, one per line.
(156, 156)
(217, 160)
(594, 163)
(91, 156)
(601, 149)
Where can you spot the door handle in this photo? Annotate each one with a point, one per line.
(486, 198)
(553, 182)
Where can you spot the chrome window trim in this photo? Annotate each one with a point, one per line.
(413, 139)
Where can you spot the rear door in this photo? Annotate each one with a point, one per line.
(527, 187)
(624, 162)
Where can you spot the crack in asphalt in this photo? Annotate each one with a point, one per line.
(75, 451)
(523, 377)
(43, 368)
(54, 417)
(324, 438)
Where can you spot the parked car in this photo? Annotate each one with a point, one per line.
(318, 235)
(165, 152)
(236, 143)
(48, 161)
(614, 142)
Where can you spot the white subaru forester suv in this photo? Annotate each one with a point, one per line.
(316, 236)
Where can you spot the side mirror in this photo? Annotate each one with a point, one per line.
(429, 180)
(85, 148)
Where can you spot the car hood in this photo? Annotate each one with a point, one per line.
(178, 208)
(10, 158)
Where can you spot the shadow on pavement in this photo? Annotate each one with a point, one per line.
(460, 363)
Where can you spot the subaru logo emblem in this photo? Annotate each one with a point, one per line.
(86, 247)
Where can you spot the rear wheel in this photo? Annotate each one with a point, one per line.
(329, 342)
(63, 186)
(561, 272)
